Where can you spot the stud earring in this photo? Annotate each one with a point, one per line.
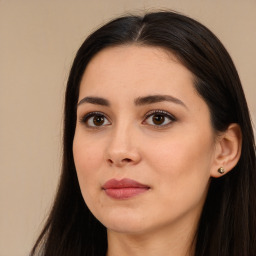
(221, 170)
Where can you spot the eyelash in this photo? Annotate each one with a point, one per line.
(162, 113)
(172, 119)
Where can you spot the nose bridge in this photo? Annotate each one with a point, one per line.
(121, 139)
(122, 148)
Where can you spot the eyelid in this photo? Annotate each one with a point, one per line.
(85, 118)
(164, 113)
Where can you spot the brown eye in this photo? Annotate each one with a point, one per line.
(98, 120)
(95, 119)
(159, 118)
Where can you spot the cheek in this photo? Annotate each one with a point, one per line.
(87, 158)
(87, 155)
(182, 166)
(180, 156)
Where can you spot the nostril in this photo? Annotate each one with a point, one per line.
(128, 160)
(110, 161)
(125, 160)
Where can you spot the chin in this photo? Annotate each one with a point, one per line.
(126, 228)
(123, 223)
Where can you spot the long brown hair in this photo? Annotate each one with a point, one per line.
(227, 226)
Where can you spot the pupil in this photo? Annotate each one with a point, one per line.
(158, 119)
(98, 120)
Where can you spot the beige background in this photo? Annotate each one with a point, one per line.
(38, 40)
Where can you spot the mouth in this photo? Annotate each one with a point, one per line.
(124, 189)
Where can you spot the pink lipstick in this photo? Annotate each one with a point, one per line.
(124, 189)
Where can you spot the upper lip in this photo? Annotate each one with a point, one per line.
(123, 183)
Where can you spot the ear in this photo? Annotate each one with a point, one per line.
(228, 150)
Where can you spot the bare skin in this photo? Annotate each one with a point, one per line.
(165, 142)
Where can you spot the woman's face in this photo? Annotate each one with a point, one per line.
(140, 118)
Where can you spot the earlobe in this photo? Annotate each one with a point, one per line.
(228, 151)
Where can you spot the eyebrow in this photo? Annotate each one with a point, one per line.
(94, 100)
(140, 101)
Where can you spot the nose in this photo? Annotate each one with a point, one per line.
(122, 149)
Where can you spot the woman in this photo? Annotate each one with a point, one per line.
(159, 154)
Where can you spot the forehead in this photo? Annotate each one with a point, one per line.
(133, 51)
(134, 67)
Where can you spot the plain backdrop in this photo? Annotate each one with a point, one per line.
(38, 41)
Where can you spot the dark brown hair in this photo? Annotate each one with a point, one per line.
(227, 226)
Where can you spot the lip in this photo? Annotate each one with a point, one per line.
(124, 188)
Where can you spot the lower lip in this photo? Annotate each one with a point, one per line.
(124, 193)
